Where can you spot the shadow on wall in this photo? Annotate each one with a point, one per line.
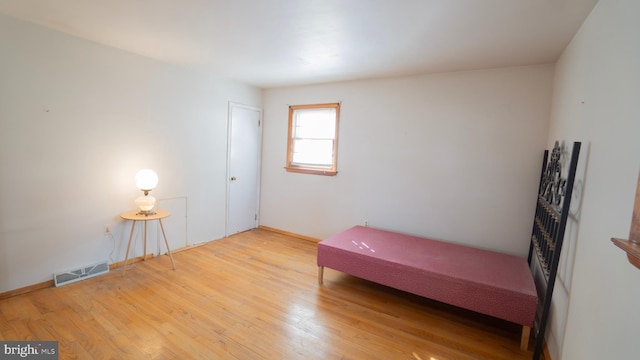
(565, 269)
(570, 244)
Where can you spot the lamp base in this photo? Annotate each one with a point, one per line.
(145, 204)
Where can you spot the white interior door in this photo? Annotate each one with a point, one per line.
(243, 168)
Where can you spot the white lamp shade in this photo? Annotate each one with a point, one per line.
(146, 179)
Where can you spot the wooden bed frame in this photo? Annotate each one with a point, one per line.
(488, 282)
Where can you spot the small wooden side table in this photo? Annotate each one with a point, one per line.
(134, 217)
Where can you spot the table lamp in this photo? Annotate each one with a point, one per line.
(146, 180)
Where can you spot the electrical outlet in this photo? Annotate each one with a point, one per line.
(107, 229)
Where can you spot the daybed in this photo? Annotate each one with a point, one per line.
(487, 282)
(500, 285)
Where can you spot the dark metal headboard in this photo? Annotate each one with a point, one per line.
(552, 212)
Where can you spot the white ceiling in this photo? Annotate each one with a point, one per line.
(271, 43)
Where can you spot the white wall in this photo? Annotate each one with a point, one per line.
(77, 120)
(452, 156)
(596, 92)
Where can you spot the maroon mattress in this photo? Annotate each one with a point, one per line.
(484, 281)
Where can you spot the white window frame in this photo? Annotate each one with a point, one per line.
(291, 166)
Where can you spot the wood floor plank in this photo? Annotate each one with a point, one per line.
(253, 295)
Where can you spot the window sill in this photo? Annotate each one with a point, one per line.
(311, 171)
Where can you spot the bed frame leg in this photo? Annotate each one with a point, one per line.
(524, 340)
(320, 274)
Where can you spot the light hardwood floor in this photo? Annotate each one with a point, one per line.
(253, 295)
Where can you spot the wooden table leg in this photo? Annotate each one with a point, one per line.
(167, 243)
(320, 274)
(144, 252)
(126, 256)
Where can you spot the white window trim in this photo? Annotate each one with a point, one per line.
(308, 169)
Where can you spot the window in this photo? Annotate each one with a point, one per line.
(313, 139)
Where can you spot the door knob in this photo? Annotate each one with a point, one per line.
(233, 178)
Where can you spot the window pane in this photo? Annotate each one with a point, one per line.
(315, 124)
(313, 152)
